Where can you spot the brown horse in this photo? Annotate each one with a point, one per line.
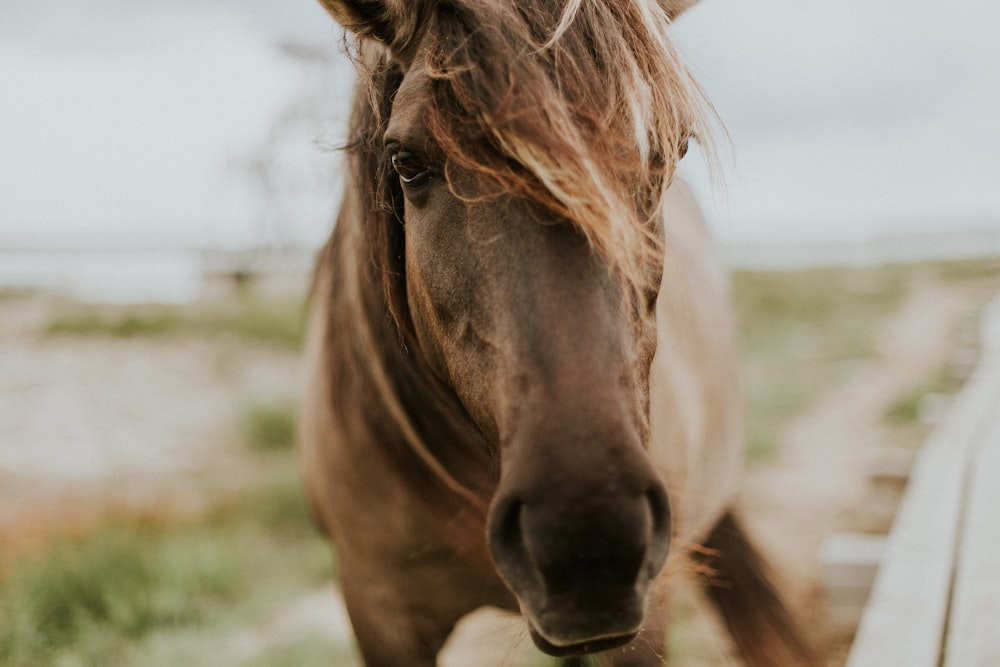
(523, 383)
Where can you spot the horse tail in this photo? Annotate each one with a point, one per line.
(738, 582)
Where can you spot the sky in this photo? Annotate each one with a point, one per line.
(139, 122)
(184, 123)
(852, 119)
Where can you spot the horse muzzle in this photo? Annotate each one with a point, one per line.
(587, 621)
(595, 644)
(581, 558)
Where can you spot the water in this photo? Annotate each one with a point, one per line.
(173, 277)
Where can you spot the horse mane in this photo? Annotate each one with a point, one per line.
(581, 109)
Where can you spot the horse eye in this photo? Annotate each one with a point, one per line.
(410, 169)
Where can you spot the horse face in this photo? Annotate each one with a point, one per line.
(514, 309)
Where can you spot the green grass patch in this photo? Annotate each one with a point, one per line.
(16, 293)
(274, 322)
(106, 322)
(306, 652)
(280, 323)
(128, 591)
(798, 331)
(967, 270)
(269, 427)
(91, 597)
(904, 410)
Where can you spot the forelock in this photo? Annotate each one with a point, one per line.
(579, 106)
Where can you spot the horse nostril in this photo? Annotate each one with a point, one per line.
(508, 528)
(659, 509)
(508, 545)
(659, 514)
(504, 531)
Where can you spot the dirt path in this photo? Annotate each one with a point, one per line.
(96, 426)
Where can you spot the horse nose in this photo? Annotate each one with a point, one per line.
(587, 538)
(581, 561)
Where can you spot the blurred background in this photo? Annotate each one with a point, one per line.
(168, 169)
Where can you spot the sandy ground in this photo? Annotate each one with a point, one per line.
(89, 427)
(96, 426)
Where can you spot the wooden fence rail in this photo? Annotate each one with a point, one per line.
(936, 598)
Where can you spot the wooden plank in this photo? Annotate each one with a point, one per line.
(907, 613)
(974, 624)
(850, 562)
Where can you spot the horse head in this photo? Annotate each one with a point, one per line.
(520, 150)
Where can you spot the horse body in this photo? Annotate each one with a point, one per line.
(696, 408)
(523, 386)
(401, 564)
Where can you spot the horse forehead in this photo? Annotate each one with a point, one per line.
(406, 119)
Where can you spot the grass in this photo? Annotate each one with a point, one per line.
(150, 322)
(15, 293)
(966, 270)
(116, 587)
(905, 409)
(280, 323)
(310, 651)
(154, 591)
(269, 427)
(274, 322)
(906, 413)
(132, 591)
(798, 331)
